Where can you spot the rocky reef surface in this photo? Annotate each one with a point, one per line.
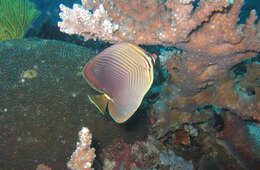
(44, 104)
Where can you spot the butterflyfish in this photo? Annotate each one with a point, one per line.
(122, 74)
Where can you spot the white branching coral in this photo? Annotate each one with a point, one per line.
(186, 1)
(84, 155)
(78, 20)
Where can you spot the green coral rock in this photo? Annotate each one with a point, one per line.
(15, 17)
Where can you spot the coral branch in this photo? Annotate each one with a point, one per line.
(87, 24)
(208, 32)
(155, 22)
(83, 156)
(142, 22)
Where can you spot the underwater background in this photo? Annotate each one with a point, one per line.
(202, 111)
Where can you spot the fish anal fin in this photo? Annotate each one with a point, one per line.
(120, 113)
(100, 101)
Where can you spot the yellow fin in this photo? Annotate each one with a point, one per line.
(100, 101)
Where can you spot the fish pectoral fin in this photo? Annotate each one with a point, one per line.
(100, 101)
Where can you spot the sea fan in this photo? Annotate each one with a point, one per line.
(15, 18)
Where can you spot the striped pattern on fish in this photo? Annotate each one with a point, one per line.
(124, 72)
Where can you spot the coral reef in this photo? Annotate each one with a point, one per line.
(146, 22)
(83, 157)
(205, 116)
(15, 18)
(208, 33)
(127, 156)
(240, 93)
(239, 142)
(212, 43)
(230, 106)
(174, 161)
(148, 154)
(41, 115)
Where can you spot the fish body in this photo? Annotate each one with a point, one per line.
(122, 73)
